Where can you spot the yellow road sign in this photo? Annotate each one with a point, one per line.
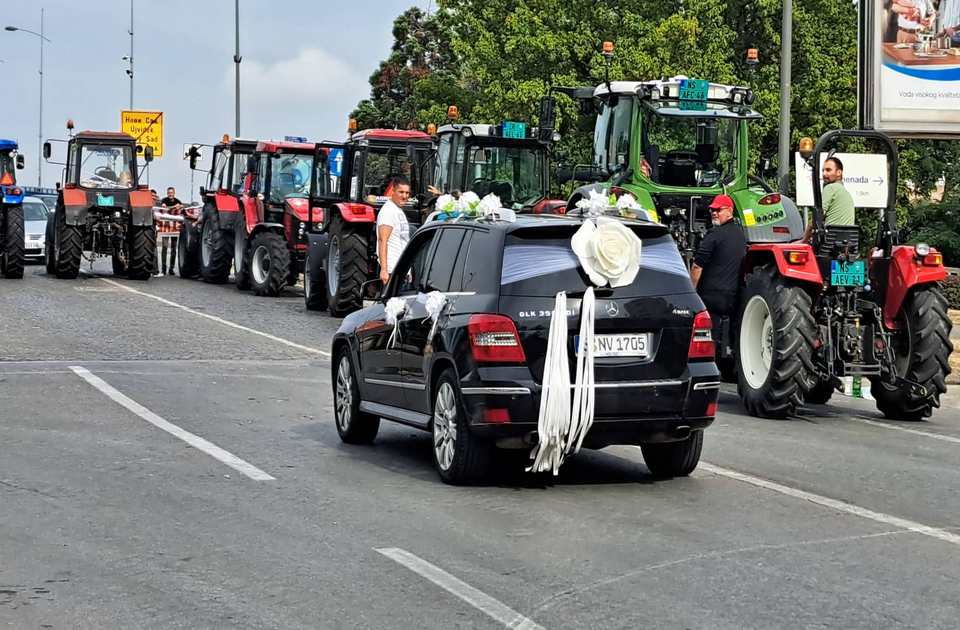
(145, 127)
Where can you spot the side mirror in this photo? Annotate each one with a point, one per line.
(193, 154)
(47, 150)
(372, 289)
(148, 154)
(20, 161)
(589, 174)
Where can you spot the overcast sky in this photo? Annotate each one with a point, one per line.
(305, 65)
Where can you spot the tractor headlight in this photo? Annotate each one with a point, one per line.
(467, 131)
(922, 249)
(737, 97)
(655, 94)
(303, 228)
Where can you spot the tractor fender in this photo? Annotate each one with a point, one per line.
(76, 206)
(765, 253)
(317, 247)
(355, 212)
(260, 228)
(907, 272)
(227, 218)
(141, 208)
(225, 202)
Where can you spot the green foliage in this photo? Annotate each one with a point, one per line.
(937, 224)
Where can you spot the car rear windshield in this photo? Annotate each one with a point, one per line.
(540, 263)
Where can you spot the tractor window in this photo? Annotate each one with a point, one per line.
(103, 166)
(441, 173)
(290, 176)
(385, 163)
(239, 172)
(611, 139)
(330, 173)
(219, 170)
(7, 167)
(690, 151)
(514, 174)
(259, 183)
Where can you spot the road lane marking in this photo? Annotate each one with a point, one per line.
(935, 436)
(455, 586)
(195, 441)
(834, 504)
(219, 320)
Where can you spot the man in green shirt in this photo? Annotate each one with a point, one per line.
(837, 202)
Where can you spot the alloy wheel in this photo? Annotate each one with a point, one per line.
(343, 403)
(260, 265)
(445, 426)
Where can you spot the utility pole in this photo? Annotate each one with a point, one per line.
(40, 125)
(786, 58)
(236, 60)
(130, 70)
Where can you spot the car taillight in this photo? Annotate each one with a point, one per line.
(798, 258)
(494, 339)
(711, 409)
(701, 342)
(770, 200)
(496, 415)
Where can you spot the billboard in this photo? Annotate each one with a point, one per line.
(864, 176)
(909, 70)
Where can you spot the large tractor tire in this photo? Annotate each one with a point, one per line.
(188, 251)
(241, 262)
(11, 262)
(347, 266)
(922, 350)
(269, 264)
(216, 249)
(775, 345)
(143, 252)
(314, 288)
(68, 248)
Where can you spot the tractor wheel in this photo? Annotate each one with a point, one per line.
(347, 266)
(143, 252)
(68, 248)
(241, 264)
(269, 264)
(188, 251)
(922, 350)
(11, 263)
(314, 289)
(821, 393)
(49, 253)
(216, 250)
(775, 345)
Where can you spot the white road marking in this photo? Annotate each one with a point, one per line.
(195, 441)
(935, 436)
(834, 504)
(220, 320)
(478, 599)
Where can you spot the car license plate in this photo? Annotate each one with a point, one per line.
(847, 273)
(105, 200)
(623, 345)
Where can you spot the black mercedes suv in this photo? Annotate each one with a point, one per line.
(476, 383)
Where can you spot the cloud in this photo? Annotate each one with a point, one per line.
(314, 77)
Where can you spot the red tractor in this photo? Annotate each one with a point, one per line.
(814, 313)
(270, 231)
(348, 193)
(205, 246)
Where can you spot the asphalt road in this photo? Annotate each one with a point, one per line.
(168, 459)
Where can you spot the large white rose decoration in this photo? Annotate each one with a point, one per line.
(608, 251)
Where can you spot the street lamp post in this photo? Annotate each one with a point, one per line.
(786, 60)
(236, 60)
(40, 125)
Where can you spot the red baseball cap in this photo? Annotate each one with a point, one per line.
(722, 201)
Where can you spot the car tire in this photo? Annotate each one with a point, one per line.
(775, 345)
(821, 393)
(269, 264)
(11, 261)
(922, 352)
(143, 252)
(347, 266)
(460, 456)
(216, 249)
(353, 426)
(673, 459)
(314, 288)
(68, 248)
(188, 251)
(241, 264)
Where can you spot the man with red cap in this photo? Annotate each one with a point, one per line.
(716, 265)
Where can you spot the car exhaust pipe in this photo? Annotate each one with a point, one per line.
(682, 432)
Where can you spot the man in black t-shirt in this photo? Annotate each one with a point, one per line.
(171, 205)
(716, 265)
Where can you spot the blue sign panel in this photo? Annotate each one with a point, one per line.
(335, 162)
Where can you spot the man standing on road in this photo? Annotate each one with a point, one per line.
(171, 205)
(716, 265)
(393, 230)
(837, 201)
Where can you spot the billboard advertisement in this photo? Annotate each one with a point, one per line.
(909, 83)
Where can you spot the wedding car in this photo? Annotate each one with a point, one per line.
(461, 339)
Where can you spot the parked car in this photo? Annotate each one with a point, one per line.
(35, 214)
(476, 383)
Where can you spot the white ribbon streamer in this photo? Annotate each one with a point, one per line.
(394, 310)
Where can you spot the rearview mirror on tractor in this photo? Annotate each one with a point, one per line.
(20, 161)
(148, 154)
(563, 174)
(47, 150)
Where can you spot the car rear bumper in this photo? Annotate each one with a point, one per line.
(33, 250)
(625, 412)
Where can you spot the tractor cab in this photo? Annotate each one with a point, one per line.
(508, 160)
(277, 186)
(676, 143)
(10, 161)
(11, 212)
(227, 168)
(102, 161)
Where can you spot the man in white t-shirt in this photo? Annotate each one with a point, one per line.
(393, 231)
(913, 16)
